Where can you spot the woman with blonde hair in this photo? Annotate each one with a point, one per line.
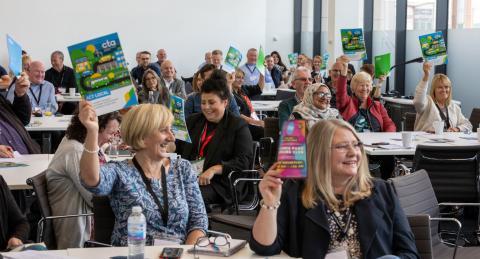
(164, 186)
(338, 206)
(360, 110)
(438, 105)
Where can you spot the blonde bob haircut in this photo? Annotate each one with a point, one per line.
(143, 120)
(318, 185)
(441, 79)
(361, 77)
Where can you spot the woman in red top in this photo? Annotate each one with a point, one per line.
(360, 110)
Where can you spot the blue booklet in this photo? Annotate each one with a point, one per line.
(14, 56)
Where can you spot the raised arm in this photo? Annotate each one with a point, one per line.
(89, 164)
(342, 96)
(420, 99)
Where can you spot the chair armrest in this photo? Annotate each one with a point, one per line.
(459, 225)
(43, 219)
(92, 243)
(461, 204)
(248, 173)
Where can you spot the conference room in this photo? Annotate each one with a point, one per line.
(247, 129)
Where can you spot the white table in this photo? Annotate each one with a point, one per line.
(153, 252)
(67, 98)
(273, 92)
(406, 101)
(46, 125)
(264, 106)
(16, 177)
(395, 147)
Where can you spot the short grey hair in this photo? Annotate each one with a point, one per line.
(59, 53)
(298, 70)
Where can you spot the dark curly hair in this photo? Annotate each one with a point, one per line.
(78, 132)
(217, 84)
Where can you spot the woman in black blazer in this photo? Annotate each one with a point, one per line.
(221, 142)
(337, 207)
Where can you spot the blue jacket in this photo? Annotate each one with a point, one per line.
(382, 225)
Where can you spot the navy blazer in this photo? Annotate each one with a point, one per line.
(382, 225)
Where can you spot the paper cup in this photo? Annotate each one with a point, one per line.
(438, 127)
(71, 91)
(407, 139)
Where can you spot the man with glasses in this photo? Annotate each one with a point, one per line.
(144, 64)
(302, 79)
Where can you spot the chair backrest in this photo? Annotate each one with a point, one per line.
(475, 118)
(272, 130)
(453, 171)
(267, 155)
(409, 121)
(420, 225)
(39, 184)
(416, 196)
(283, 95)
(256, 153)
(104, 219)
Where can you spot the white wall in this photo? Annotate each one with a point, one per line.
(279, 27)
(185, 28)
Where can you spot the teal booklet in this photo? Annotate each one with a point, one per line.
(353, 44)
(382, 65)
(102, 75)
(232, 59)
(434, 48)
(292, 152)
(292, 59)
(14, 56)
(179, 127)
(325, 58)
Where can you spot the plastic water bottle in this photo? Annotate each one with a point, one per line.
(137, 230)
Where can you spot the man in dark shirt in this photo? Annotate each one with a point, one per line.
(144, 64)
(275, 74)
(62, 78)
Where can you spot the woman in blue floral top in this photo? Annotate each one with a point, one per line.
(146, 128)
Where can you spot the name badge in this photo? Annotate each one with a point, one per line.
(339, 253)
(253, 78)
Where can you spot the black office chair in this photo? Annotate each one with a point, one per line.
(420, 225)
(475, 119)
(283, 95)
(45, 231)
(417, 197)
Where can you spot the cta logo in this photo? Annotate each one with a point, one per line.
(109, 44)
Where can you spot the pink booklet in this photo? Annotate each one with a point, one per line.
(292, 154)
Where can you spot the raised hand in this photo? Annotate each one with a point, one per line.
(88, 117)
(22, 84)
(427, 67)
(271, 186)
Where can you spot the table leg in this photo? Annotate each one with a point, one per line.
(46, 142)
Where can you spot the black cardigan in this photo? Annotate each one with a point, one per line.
(382, 225)
(231, 147)
(12, 222)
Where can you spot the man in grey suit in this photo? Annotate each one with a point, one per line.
(174, 85)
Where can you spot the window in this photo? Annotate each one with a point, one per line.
(464, 14)
(421, 15)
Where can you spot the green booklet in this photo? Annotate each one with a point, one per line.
(11, 164)
(102, 75)
(353, 44)
(434, 48)
(292, 59)
(382, 65)
(232, 59)
(261, 60)
(325, 58)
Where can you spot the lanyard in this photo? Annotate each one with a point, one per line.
(163, 209)
(39, 94)
(251, 70)
(204, 140)
(344, 230)
(445, 119)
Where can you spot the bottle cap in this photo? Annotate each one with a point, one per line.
(137, 209)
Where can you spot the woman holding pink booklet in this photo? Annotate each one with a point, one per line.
(337, 208)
